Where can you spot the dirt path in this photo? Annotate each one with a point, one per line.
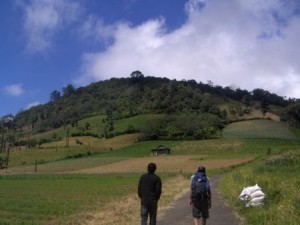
(180, 212)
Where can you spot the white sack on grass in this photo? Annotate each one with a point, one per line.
(257, 194)
(252, 189)
(253, 195)
(244, 197)
(258, 201)
(247, 191)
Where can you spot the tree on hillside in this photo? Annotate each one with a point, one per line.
(68, 90)
(132, 96)
(292, 115)
(264, 105)
(247, 100)
(259, 94)
(54, 95)
(183, 127)
(2, 133)
(136, 76)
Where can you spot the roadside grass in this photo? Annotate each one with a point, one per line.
(262, 129)
(27, 199)
(52, 199)
(279, 179)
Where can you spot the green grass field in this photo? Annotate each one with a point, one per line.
(280, 182)
(28, 199)
(260, 129)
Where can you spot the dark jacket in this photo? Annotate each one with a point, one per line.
(149, 188)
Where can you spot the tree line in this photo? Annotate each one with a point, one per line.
(139, 94)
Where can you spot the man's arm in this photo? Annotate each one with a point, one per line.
(191, 197)
(140, 189)
(191, 188)
(210, 198)
(158, 188)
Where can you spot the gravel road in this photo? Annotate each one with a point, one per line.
(180, 212)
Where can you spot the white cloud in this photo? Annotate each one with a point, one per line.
(94, 27)
(32, 104)
(194, 5)
(251, 43)
(43, 18)
(14, 89)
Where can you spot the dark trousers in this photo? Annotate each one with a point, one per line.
(148, 209)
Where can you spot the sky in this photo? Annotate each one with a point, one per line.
(47, 44)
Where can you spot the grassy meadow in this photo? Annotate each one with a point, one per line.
(80, 184)
(53, 199)
(279, 180)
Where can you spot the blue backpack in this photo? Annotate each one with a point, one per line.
(200, 185)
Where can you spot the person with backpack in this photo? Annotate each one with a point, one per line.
(149, 191)
(200, 197)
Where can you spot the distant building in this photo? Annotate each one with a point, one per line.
(161, 150)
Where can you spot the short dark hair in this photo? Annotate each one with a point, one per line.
(201, 169)
(151, 167)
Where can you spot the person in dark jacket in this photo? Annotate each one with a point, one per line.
(201, 203)
(149, 191)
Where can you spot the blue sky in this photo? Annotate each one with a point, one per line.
(48, 44)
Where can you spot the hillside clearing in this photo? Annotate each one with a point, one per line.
(259, 129)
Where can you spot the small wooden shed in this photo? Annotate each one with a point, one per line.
(161, 150)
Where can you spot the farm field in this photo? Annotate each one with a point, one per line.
(83, 190)
(53, 199)
(267, 129)
(57, 151)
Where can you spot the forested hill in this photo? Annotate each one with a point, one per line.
(126, 97)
